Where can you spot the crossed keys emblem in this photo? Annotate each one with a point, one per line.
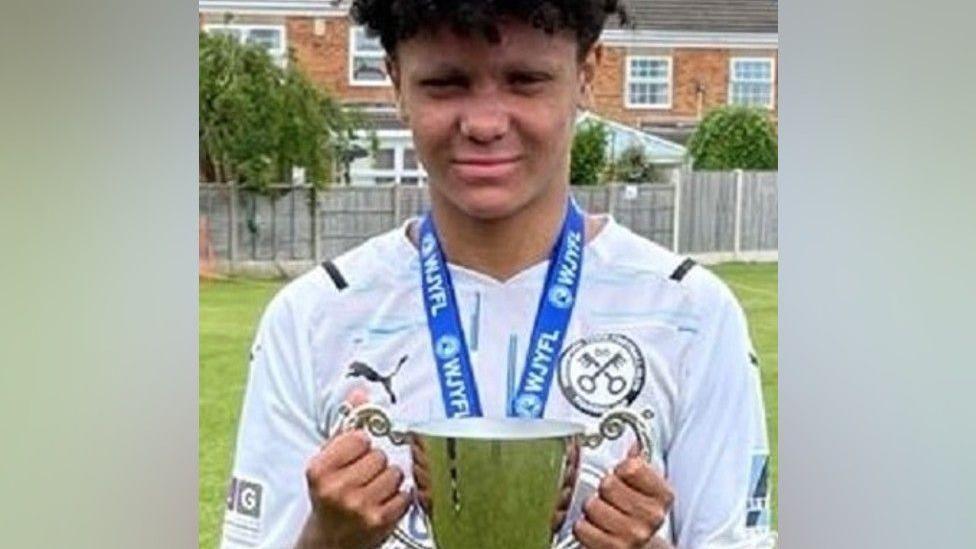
(601, 372)
(615, 383)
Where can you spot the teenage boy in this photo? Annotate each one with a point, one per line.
(505, 300)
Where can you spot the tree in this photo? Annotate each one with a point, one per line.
(258, 120)
(734, 138)
(588, 157)
(633, 166)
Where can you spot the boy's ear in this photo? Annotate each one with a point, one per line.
(393, 70)
(587, 75)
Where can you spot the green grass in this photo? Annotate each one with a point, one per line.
(229, 312)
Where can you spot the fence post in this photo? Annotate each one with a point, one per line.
(232, 214)
(313, 209)
(611, 197)
(293, 192)
(274, 226)
(396, 204)
(738, 215)
(676, 181)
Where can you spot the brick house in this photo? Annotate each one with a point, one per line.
(683, 57)
(659, 75)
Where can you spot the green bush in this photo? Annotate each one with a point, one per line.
(258, 120)
(589, 153)
(734, 138)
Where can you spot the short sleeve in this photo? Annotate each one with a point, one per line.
(267, 498)
(719, 457)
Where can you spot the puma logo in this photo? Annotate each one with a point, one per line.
(361, 369)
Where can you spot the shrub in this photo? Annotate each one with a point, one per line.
(633, 166)
(734, 138)
(258, 120)
(589, 153)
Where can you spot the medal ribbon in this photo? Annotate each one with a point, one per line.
(459, 389)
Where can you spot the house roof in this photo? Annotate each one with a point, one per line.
(284, 7)
(747, 16)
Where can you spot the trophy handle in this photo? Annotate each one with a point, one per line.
(612, 426)
(374, 419)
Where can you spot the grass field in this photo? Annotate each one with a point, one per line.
(230, 310)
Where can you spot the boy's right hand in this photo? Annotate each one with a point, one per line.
(354, 492)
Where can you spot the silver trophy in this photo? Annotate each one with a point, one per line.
(496, 483)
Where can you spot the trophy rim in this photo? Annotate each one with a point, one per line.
(482, 428)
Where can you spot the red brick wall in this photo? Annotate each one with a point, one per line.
(691, 68)
(699, 69)
(325, 58)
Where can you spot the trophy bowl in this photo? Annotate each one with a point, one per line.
(495, 483)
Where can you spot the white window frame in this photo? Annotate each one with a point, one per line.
(772, 78)
(279, 55)
(353, 54)
(398, 141)
(628, 79)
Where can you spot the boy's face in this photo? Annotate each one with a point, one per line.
(492, 123)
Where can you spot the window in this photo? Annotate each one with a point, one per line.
(233, 32)
(648, 82)
(269, 37)
(394, 162)
(384, 159)
(366, 60)
(751, 82)
(409, 159)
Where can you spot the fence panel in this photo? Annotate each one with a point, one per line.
(648, 210)
(760, 218)
(215, 209)
(414, 201)
(351, 215)
(707, 212)
(593, 198)
(279, 227)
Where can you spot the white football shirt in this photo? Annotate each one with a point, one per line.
(676, 335)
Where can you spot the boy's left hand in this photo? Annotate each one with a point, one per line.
(630, 506)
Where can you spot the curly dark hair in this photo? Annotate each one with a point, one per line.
(395, 20)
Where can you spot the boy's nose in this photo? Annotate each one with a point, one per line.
(484, 123)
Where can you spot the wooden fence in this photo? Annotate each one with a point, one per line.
(718, 216)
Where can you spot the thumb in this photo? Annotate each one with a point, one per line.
(635, 450)
(357, 396)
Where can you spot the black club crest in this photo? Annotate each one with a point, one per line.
(600, 372)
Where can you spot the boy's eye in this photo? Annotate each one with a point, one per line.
(528, 78)
(442, 82)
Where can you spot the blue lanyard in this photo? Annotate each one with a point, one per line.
(458, 387)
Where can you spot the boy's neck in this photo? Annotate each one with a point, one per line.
(502, 248)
